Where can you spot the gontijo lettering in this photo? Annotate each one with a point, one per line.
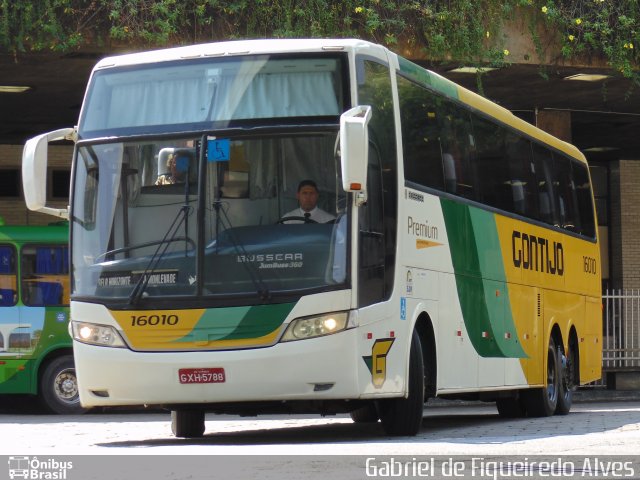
(537, 253)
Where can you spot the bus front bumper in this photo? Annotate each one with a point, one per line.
(316, 369)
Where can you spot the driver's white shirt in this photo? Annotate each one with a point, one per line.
(317, 215)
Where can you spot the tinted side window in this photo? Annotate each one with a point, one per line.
(566, 195)
(374, 88)
(420, 115)
(458, 145)
(494, 184)
(544, 179)
(521, 169)
(585, 202)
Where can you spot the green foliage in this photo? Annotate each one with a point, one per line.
(610, 28)
(463, 31)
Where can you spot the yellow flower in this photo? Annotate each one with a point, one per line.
(631, 46)
(571, 38)
(545, 9)
(359, 9)
(578, 21)
(506, 52)
(626, 45)
(488, 34)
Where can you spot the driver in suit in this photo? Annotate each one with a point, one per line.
(308, 211)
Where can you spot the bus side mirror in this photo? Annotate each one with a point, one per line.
(354, 148)
(34, 171)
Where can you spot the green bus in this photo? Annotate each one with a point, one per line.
(36, 356)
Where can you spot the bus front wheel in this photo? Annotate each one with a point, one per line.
(403, 416)
(187, 423)
(58, 391)
(365, 414)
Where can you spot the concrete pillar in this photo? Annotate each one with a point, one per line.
(555, 122)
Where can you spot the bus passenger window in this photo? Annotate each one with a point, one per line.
(45, 275)
(457, 144)
(8, 291)
(585, 204)
(420, 116)
(566, 194)
(543, 164)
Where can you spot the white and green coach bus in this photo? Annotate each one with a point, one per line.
(462, 260)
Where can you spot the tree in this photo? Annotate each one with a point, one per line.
(461, 31)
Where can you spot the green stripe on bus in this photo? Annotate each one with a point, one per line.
(238, 323)
(427, 78)
(479, 273)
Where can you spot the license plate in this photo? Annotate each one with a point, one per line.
(201, 375)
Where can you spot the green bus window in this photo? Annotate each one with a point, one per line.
(7, 276)
(45, 275)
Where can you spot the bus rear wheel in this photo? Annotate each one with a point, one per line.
(542, 402)
(58, 392)
(403, 416)
(567, 364)
(187, 423)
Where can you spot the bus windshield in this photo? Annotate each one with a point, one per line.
(144, 226)
(198, 94)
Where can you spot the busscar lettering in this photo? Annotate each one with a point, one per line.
(270, 257)
(538, 254)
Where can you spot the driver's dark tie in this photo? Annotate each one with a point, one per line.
(306, 217)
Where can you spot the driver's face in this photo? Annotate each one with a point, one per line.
(307, 198)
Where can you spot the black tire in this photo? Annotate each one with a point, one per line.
(403, 416)
(58, 391)
(566, 381)
(366, 414)
(187, 423)
(542, 402)
(511, 407)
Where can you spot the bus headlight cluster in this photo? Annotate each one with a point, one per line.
(316, 326)
(93, 334)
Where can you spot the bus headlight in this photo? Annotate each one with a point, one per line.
(93, 334)
(316, 326)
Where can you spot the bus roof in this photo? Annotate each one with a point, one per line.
(237, 47)
(266, 46)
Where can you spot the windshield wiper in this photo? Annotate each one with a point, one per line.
(258, 283)
(163, 245)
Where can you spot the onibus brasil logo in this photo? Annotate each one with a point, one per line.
(34, 468)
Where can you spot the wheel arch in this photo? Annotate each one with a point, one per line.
(424, 327)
